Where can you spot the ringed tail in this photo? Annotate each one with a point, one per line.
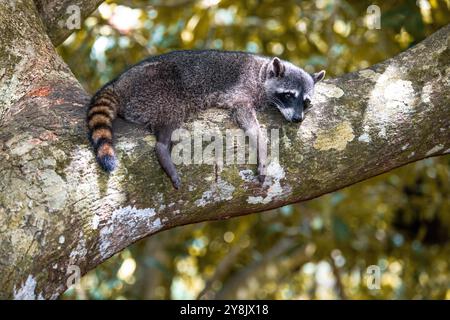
(102, 110)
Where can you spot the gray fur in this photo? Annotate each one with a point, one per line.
(162, 91)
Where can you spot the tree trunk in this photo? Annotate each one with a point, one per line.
(59, 210)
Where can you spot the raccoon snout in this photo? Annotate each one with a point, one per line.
(297, 118)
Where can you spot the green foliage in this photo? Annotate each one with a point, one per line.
(399, 221)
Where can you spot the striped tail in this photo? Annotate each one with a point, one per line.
(101, 113)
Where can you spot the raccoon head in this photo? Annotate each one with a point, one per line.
(290, 88)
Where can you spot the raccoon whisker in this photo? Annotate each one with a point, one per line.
(307, 110)
(276, 102)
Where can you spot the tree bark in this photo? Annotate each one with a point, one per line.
(58, 209)
(58, 16)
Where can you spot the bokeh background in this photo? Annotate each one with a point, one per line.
(320, 249)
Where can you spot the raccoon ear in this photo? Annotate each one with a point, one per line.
(276, 68)
(318, 76)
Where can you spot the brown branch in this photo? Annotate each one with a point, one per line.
(240, 278)
(339, 287)
(222, 268)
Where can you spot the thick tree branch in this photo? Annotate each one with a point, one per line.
(58, 15)
(27, 58)
(57, 209)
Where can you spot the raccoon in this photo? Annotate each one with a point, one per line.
(163, 91)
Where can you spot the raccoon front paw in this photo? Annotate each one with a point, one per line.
(176, 182)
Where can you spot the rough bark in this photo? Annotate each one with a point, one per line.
(57, 209)
(58, 15)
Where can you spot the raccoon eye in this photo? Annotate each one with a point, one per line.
(288, 95)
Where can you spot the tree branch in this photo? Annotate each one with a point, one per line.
(57, 209)
(55, 15)
(28, 61)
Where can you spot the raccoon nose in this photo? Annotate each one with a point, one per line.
(297, 118)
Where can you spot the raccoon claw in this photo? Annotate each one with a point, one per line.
(261, 173)
(261, 178)
(176, 183)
